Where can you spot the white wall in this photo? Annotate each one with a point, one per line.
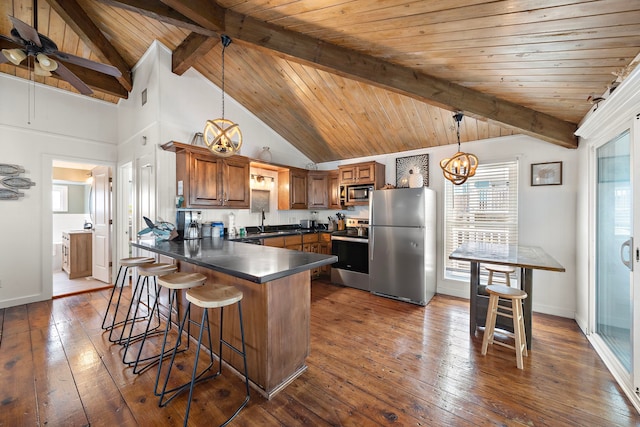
(546, 214)
(177, 107)
(65, 126)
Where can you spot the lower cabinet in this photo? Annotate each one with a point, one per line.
(319, 243)
(76, 254)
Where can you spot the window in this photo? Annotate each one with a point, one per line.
(484, 209)
(60, 198)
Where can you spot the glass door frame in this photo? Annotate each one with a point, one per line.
(629, 381)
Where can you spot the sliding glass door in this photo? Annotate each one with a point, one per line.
(614, 249)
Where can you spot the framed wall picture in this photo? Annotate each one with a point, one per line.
(417, 164)
(549, 173)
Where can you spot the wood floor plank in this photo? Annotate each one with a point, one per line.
(58, 398)
(18, 399)
(373, 361)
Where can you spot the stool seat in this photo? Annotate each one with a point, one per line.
(182, 280)
(500, 268)
(136, 261)
(156, 269)
(214, 295)
(515, 313)
(506, 292)
(496, 268)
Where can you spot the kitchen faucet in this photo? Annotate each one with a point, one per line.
(262, 217)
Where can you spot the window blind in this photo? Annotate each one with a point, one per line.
(484, 209)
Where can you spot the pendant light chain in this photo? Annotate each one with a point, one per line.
(226, 41)
(223, 48)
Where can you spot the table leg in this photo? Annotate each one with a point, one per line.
(526, 280)
(473, 296)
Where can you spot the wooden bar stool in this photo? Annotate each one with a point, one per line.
(145, 272)
(173, 282)
(176, 282)
(125, 265)
(495, 268)
(208, 296)
(515, 313)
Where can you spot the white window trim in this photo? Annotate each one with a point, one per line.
(60, 198)
(492, 230)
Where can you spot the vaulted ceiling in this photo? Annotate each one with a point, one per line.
(342, 79)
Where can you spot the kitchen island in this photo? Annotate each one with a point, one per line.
(276, 287)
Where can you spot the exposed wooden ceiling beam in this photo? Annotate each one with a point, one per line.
(348, 63)
(205, 12)
(79, 21)
(192, 48)
(160, 12)
(98, 81)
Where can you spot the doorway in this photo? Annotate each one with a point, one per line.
(72, 228)
(615, 288)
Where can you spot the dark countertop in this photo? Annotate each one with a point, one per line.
(255, 263)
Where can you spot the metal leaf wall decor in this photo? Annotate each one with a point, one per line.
(13, 181)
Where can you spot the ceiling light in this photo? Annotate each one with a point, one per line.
(461, 166)
(46, 63)
(15, 56)
(222, 136)
(39, 71)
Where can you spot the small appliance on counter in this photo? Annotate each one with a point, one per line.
(308, 224)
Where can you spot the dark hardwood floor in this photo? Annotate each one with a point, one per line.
(374, 361)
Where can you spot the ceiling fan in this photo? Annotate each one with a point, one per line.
(42, 49)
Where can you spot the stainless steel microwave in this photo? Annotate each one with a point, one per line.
(358, 194)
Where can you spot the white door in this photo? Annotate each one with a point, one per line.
(102, 223)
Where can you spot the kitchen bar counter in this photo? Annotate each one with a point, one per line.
(258, 264)
(276, 287)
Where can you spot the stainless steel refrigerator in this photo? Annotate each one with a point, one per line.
(402, 244)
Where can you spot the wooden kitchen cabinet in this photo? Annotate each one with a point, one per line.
(318, 183)
(208, 181)
(362, 173)
(334, 190)
(312, 242)
(292, 189)
(77, 258)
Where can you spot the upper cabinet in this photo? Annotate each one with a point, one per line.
(208, 181)
(334, 190)
(292, 189)
(318, 183)
(362, 173)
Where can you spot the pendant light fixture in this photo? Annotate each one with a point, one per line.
(221, 136)
(461, 166)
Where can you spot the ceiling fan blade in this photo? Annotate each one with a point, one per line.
(87, 63)
(73, 80)
(26, 31)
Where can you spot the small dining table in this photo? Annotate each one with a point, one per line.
(526, 258)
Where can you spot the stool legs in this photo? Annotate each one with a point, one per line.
(126, 342)
(520, 345)
(198, 377)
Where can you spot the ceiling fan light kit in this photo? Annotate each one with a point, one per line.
(222, 136)
(15, 56)
(461, 166)
(46, 63)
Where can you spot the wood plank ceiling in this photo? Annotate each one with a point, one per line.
(341, 79)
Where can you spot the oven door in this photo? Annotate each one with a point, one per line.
(352, 253)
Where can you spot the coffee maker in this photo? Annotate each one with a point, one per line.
(186, 226)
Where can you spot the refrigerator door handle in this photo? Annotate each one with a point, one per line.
(371, 244)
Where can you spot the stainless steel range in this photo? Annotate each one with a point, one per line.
(351, 246)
